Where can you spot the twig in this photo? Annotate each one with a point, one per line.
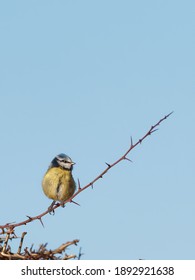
(11, 226)
(41, 254)
(21, 242)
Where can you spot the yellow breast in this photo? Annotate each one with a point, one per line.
(58, 184)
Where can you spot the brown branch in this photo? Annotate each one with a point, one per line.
(41, 254)
(11, 226)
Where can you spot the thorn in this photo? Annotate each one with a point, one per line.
(140, 141)
(127, 159)
(30, 218)
(75, 202)
(108, 164)
(79, 184)
(169, 114)
(92, 186)
(41, 221)
(153, 130)
(131, 141)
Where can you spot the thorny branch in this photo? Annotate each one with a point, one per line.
(9, 227)
(42, 253)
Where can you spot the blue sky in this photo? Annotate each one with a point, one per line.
(82, 77)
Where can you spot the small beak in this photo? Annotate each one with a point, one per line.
(72, 163)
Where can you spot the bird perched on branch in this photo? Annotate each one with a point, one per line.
(58, 183)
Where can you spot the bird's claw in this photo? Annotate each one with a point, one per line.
(50, 208)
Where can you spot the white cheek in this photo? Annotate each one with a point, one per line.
(65, 165)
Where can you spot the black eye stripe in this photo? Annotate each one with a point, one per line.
(65, 161)
(61, 159)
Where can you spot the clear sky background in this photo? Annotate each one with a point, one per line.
(82, 77)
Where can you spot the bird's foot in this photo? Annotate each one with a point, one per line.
(62, 204)
(50, 208)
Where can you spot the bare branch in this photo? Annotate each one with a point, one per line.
(41, 254)
(11, 226)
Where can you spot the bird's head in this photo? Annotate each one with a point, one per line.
(62, 161)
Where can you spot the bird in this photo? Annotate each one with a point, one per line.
(58, 183)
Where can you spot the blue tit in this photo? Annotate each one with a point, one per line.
(58, 183)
